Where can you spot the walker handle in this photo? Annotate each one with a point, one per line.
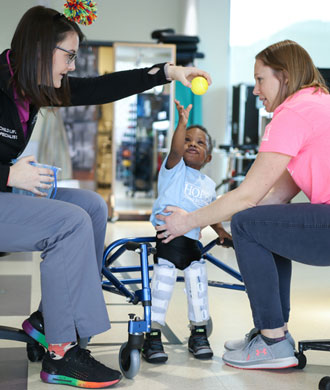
(226, 242)
(136, 246)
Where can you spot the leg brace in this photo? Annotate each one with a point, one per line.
(163, 281)
(196, 289)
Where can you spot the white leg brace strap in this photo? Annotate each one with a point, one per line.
(162, 284)
(196, 289)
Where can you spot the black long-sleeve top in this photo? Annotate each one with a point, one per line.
(84, 91)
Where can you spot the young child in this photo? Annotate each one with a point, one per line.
(182, 184)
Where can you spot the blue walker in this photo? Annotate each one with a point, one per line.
(129, 354)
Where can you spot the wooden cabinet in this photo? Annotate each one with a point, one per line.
(104, 156)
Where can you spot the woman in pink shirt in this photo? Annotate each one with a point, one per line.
(268, 231)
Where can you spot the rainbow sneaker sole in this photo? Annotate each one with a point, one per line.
(64, 380)
(34, 333)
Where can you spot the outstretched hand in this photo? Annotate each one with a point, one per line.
(183, 112)
(176, 224)
(185, 74)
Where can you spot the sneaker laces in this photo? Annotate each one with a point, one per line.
(156, 345)
(200, 340)
(251, 343)
(85, 357)
(252, 331)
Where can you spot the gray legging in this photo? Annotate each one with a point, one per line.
(69, 231)
(265, 237)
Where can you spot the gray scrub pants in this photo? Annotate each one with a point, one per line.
(69, 231)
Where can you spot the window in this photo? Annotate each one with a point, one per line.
(256, 24)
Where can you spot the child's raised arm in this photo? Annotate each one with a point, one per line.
(178, 140)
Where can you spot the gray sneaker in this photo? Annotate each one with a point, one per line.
(234, 345)
(259, 355)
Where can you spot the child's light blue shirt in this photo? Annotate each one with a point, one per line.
(183, 187)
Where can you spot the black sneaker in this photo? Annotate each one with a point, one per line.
(34, 327)
(78, 368)
(153, 350)
(198, 343)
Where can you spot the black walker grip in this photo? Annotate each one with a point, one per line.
(133, 246)
(226, 242)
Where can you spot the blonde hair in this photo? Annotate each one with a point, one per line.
(293, 67)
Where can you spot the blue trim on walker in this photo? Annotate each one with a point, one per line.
(54, 169)
(115, 285)
(118, 286)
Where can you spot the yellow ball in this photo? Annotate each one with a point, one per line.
(126, 163)
(199, 85)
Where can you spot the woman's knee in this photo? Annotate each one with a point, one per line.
(102, 205)
(76, 218)
(88, 200)
(238, 220)
(98, 205)
(242, 222)
(69, 221)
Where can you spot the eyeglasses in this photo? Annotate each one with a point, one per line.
(71, 57)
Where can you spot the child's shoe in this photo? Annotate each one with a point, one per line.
(153, 350)
(78, 368)
(198, 343)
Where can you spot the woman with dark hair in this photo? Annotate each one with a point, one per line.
(266, 230)
(70, 229)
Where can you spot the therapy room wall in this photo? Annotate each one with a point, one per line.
(129, 20)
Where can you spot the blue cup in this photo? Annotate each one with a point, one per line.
(51, 192)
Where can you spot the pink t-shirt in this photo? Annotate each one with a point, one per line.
(301, 128)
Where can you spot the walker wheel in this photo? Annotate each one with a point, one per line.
(35, 352)
(324, 383)
(130, 365)
(301, 361)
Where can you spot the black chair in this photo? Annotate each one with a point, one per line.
(35, 351)
(314, 345)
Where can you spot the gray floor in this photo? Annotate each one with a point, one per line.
(310, 319)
